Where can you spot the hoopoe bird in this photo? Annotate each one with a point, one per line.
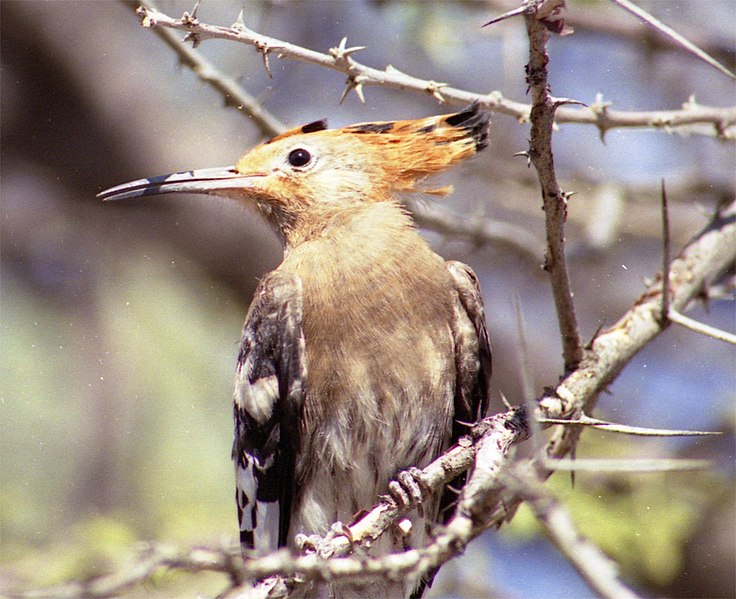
(363, 353)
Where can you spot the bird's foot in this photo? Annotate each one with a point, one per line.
(307, 543)
(322, 545)
(408, 489)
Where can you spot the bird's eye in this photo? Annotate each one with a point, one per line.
(299, 157)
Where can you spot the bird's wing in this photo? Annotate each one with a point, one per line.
(270, 384)
(473, 367)
(472, 349)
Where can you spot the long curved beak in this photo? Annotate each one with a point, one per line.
(207, 181)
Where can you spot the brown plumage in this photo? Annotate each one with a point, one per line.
(364, 351)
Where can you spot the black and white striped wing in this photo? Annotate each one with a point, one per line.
(269, 389)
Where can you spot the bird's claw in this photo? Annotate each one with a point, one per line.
(307, 543)
(322, 545)
(338, 529)
(408, 488)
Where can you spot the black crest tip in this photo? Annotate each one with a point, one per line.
(320, 125)
(473, 120)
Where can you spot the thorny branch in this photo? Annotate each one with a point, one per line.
(720, 120)
(698, 265)
(233, 94)
(554, 199)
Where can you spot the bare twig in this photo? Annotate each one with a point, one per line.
(665, 255)
(598, 570)
(626, 466)
(672, 34)
(152, 559)
(554, 199)
(692, 113)
(624, 428)
(234, 95)
(699, 327)
(479, 231)
(720, 120)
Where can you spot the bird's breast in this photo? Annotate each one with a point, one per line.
(380, 356)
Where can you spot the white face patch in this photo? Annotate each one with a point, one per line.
(338, 183)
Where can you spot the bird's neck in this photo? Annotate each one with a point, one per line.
(363, 229)
(368, 261)
(370, 253)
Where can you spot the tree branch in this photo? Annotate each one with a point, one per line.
(553, 198)
(488, 444)
(234, 95)
(711, 252)
(720, 120)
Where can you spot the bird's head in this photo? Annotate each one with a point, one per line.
(312, 172)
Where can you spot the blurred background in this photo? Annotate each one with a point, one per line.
(120, 322)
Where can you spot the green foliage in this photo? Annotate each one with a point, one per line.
(643, 521)
(82, 435)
